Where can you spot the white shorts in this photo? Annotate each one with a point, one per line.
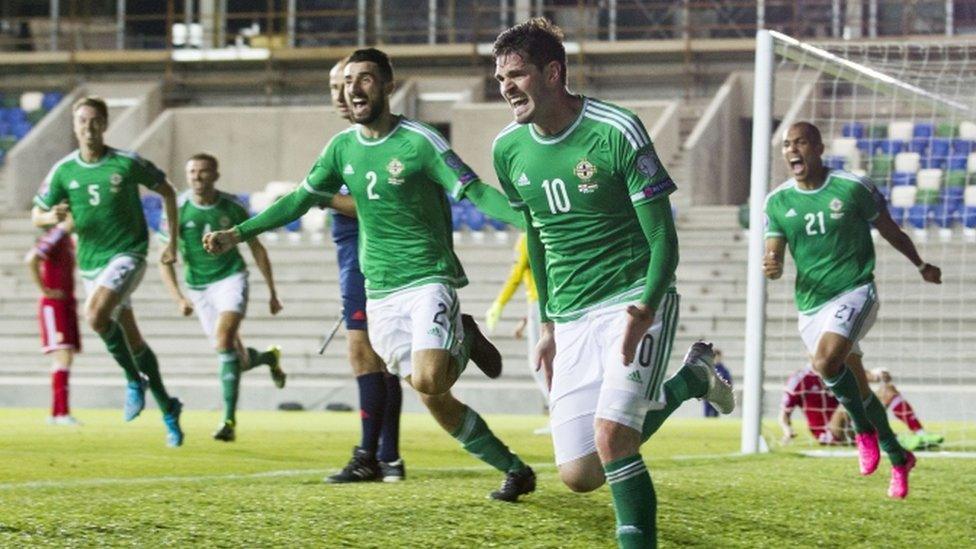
(425, 317)
(228, 295)
(589, 381)
(850, 314)
(122, 275)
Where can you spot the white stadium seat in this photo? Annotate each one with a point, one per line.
(971, 163)
(31, 101)
(929, 179)
(970, 196)
(903, 196)
(967, 130)
(902, 130)
(279, 188)
(260, 200)
(908, 162)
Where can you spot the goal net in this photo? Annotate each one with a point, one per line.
(903, 114)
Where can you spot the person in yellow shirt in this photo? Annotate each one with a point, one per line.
(528, 326)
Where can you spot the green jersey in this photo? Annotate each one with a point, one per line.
(828, 231)
(580, 188)
(398, 183)
(105, 204)
(201, 268)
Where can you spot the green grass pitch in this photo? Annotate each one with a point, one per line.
(113, 484)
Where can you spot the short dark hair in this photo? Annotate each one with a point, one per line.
(207, 157)
(373, 55)
(94, 102)
(812, 131)
(537, 40)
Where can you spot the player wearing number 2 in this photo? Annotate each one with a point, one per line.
(101, 186)
(397, 171)
(603, 250)
(825, 216)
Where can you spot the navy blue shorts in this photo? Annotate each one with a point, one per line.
(352, 284)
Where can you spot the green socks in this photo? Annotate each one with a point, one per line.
(683, 385)
(230, 382)
(844, 387)
(475, 436)
(258, 358)
(114, 339)
(634, 502)
(146, 361)
(886, 437)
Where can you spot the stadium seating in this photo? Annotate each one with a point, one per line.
(20, 113)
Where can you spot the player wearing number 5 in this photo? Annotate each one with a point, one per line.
(603, 250)
(397, 171)
(101, 185)
(825, 216)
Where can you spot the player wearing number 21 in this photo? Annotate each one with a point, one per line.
(101, 187)
(825, 216)
(603, 250)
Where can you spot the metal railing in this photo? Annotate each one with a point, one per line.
(73, 25)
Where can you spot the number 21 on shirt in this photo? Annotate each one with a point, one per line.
(815, 223)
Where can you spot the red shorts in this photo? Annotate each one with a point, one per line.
(59, 325)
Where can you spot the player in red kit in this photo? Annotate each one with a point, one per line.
(52, 266)
(830, 425)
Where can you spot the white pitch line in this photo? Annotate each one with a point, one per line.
(920, 455)
(35, 484)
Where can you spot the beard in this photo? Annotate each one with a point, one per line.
(374, 107)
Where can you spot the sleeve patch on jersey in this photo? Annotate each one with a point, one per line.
(647, 164)
(454, 161)
(467, 177)
(652, 191)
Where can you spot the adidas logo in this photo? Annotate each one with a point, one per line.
(73, 185)
(348, 170)
(791, 213)
(190, 224)
(635, 377)
(523, 181)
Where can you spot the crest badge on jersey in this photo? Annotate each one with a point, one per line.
(224, 221)
(116, 181)
(395, 168)
(585, 171)
(836, 206)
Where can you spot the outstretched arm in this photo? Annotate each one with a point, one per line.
(343, 204)
(492, 203)
(903, 243)
(284, 210)
(260, 254)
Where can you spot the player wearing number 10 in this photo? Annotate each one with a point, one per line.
(825, 216)
(101, 186)
(397, 171)
(603, 250)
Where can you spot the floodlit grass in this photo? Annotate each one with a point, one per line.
(110, 483)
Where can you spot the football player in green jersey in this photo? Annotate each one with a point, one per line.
(101, 186)
(825, 217)
(603, 250)
(397, 171)
(218, 285)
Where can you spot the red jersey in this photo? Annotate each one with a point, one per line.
(57, 253)
(806, 390)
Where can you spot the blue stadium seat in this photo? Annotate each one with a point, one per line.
(866, 146)
(920, 145)
(957, 163)
(902, 178)
(473, 217)
(890, 147)
(3, 155)
(946, 215)
(51, 100)
(457, 216)
(294, 226)
(898, 214)
(962, 147)
(496, 224)
(940, 147)
(923, 129)
(21, 129)
(939, 162)
(918, 215)
(969, 217)
(152, 207)
(853, 129)
(835, 162)
(885, 191)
